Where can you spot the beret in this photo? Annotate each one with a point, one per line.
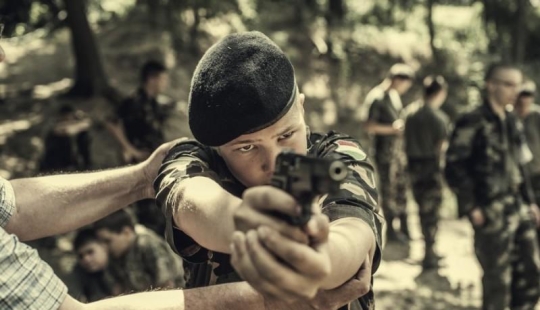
(242, 84)
(401, 70)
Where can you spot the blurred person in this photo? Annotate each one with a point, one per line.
(381, 116)
(485, 168)
(67, 144)
(90, 276)
(30, 209)
(426, 134)
(140, 259)
(138, 126)
(67, 148)
(244, 109)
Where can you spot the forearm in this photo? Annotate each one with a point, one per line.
(57, 204)
(380, 129)
(204, 211)
(350, 241)
(118, 133)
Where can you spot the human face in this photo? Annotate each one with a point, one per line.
(251, 157)
(159, 82)
(93, 256)
(503, 87)
(117, 243)
(402, 85)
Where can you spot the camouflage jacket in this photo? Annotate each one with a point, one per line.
(148, 264)
(357, 198)
(486, 158)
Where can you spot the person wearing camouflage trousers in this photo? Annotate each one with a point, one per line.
(485, 168)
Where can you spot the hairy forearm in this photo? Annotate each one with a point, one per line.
(350, 241)
(204, 211)
(57, 204)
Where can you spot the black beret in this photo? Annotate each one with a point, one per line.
(242, 84)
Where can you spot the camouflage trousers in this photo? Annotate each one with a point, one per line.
(426, 183)
(507, 249)
(392, 189)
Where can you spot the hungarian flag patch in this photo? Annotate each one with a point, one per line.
(351, 149)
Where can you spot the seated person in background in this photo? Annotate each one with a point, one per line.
(90, 280)
(67, 144)
(139, 259)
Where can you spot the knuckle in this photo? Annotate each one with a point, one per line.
(297, 257)
(364, 289)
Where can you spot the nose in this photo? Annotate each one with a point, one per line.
(269, 164)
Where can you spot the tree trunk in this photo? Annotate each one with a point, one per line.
(90, 78)
(431, 27)
(519, 39)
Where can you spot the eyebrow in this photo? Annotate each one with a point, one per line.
(251, 141)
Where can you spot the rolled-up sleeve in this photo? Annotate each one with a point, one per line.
(358, 194)
(185, 160)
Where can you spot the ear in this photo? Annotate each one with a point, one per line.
(301, 100)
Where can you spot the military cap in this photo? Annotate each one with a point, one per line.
(242, 84)
(401, 70)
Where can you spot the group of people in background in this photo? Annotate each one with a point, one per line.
(124, 252)
(490, 159)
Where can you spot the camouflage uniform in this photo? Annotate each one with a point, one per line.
(485, 169)
(531, 125)
(358, 198)
(148, 264)
(425, 130)
(385, 108)
(143, 119)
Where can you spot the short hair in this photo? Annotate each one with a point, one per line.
(116, 222)
(401, 71)
(150, 69)
(83, 237)
(528, 89)
(66, 109)
(496, 67)
(433, 84)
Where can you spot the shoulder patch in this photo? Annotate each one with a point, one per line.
(350, 148)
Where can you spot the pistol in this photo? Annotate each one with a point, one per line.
(304, 178)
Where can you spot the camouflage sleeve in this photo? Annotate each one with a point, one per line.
(457, 170)
(358, 194)
(160, 263)
(185, 160)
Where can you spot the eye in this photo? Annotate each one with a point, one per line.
(246, 148)
(286, 136)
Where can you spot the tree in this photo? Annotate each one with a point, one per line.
(431, 28)
(90, 78)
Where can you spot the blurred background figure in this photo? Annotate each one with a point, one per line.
(426, 133)
(67, 144)
(138, 127)
(89, 280)
(382, 109)
(139, 259)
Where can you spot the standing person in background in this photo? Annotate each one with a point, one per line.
(138, 126)
(426, 136)
(381, 115)
(529, 114)
(485, 169)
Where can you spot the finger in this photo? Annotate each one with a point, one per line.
(268, 198)
(300, 257)
(280, 275)
(318, 228)
(241, 262)
(248, 272)
(246, 218)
